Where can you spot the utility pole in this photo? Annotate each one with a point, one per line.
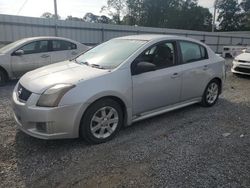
(56, 18)
(214, 17)
(213, 24)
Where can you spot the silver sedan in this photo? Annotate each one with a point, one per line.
(119, 82)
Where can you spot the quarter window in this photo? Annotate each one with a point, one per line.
(192, 52)
(60, 45)
(36, 47)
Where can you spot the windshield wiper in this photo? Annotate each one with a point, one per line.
(90, 65)
(97, 66)
(83, 63)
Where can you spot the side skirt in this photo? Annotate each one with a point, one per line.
(164, 110)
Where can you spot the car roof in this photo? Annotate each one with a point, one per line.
(151, 37)
(155, 37)
(45, 38)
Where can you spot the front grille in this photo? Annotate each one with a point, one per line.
(243, 70)
(242, 61)
(22, 93)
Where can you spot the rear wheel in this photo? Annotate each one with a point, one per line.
(3, 78)
(102, 121)
(211, 93)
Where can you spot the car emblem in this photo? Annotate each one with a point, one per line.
(19, 92)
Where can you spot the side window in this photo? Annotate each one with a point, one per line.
(60, 45)
(36, 47)
(203, 52)
(192, 52)
(161, 55)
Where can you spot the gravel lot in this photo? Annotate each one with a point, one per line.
(191, 147)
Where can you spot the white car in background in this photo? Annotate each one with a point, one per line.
(241, 63)
(28, 54)
(232, 51)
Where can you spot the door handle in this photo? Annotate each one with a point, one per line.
(44, 56)
(73, 53)
(205, 67)
(175, 75)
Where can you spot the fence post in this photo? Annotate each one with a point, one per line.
(102, 33)
(242, 40)
(56, 28)
(218, 43)
(204, 38)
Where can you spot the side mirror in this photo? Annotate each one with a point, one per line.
(144, 67)
(18, 53)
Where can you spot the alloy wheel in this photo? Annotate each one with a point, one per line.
(104, 122)
(212, 93)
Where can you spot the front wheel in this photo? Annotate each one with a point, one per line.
(102, 121)
(211, 94)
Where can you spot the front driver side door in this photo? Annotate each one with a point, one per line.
(159, 88)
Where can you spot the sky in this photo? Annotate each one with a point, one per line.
(76, 8)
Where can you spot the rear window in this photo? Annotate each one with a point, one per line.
(192, 52)
(60, 45)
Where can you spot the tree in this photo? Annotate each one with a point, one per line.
(193, 17)
(230, 15)
(92, 18)
(49, 15)
(115, 8)
(180, 14)
(245, 5)
(71, 18)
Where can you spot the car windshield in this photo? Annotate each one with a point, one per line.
(110, 54)
(8, 47)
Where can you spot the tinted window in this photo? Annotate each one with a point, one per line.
(162, 55)
(192, 52)
(59, 45)
(36, 47)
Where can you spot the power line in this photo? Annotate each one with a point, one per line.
(20, 9)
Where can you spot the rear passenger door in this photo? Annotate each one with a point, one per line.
(195, 69)
(62, 50)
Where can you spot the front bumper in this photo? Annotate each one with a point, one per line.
(46, 123)
(241, 68)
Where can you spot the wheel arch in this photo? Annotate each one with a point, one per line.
(119, 100)
(219, 80)
(5, 71)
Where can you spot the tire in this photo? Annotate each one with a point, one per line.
(3, 78)
(211, 94)
(98, 125)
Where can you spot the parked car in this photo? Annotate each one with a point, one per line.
(28, 54)
(117, 83)
(233, 51)
(241, 63)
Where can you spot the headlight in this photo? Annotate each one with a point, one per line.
(52, 96)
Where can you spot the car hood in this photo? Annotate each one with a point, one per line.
(243, 57)
(67, 72)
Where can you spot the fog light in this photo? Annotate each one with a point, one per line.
(41, 126)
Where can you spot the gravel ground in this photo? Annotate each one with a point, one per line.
(190, 147)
